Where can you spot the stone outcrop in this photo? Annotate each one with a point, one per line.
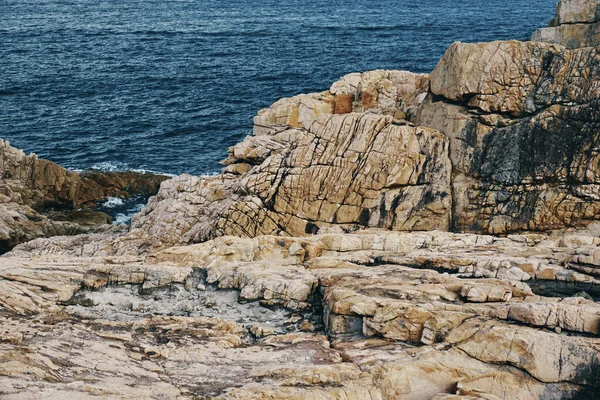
(347, 157)
(320, 264)
(375, 314)
(39, 198)
(351, 170)
(577, 24)
(523, 124)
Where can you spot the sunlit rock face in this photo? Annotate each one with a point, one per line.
(351, 170)
(577, 24)
(503, 140)
(524, 126)
(373, 314)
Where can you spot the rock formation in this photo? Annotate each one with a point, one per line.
(32, 187)
(512, 148)
(577, 24)
(321, 262)
(374, 314)
(352, 169)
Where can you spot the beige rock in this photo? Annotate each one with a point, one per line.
(570, 35)
(368, 297)
(380, 175)
(575, 25)
(392, 93)
(572, 11)
(505, 180)
(374, 314)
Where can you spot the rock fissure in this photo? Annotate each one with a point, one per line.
(319, 264)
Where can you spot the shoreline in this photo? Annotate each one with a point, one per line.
(397, 236)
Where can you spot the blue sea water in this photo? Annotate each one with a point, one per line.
(169, 85)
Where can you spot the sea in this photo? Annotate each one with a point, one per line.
(168, 85)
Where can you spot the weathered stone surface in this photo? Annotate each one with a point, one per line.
(572, 11)
(570, 35)
(353, 294)
(577, 24)
(406, 316)
(348, 170)
(20, 223)
(520, 121)
(521, 135)
(40, 183)
(516, 78)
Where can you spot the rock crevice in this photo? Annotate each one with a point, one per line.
(320, 264)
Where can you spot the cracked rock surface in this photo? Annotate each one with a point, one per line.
(523, 124)
(374, 314)
(577, 24)
(399, 236)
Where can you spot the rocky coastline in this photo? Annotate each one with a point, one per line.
(398, 236)
(39, 198)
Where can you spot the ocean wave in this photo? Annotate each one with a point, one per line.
(122, 210)
(117, 166)
(125, 218)
(112, 202)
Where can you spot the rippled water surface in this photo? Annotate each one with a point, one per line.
(169, 85)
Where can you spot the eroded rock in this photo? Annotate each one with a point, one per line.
(347, 170)
(577, 24)
(39, 198)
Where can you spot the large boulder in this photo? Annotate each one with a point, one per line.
(523, 124)
(520, 125)
(577, 24)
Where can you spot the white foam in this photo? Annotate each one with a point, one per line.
(122, 218)
(110, 166)
(116, 166)
(112, 202)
